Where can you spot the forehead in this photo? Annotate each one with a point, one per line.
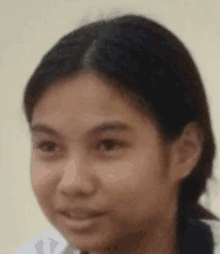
(80, 89)
(85, 100)
(84, 93)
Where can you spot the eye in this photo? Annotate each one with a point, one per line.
(47, 144)
(107, 145)
(110, 144)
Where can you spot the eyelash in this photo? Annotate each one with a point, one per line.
(48, 143)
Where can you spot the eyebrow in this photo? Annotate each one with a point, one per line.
(104, 127)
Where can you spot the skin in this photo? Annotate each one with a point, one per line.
(128, 182)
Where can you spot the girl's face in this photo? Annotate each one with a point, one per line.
(117, 170)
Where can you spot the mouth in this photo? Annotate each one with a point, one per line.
(82, 222)
(80, 216)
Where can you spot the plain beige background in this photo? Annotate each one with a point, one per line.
(30, 28)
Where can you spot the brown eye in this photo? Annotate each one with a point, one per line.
(109, 145)
(48, 145)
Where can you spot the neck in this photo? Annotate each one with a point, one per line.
(160, 236)
(160, 240)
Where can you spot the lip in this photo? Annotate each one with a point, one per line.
(80, 212)
(81, 223)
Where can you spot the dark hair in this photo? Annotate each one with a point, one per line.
(154, 69)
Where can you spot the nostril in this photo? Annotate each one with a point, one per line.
(66, 214)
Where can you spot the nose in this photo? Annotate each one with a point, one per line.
(76, 178)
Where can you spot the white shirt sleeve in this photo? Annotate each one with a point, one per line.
(46, 242)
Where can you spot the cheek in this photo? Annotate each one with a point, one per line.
(136, 180)
(42, 186)
(38, 172)
(41, 183)
(145, 180)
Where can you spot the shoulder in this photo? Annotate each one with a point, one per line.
(45, 242)
(214, 226)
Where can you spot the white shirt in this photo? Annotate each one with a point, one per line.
(52, 242)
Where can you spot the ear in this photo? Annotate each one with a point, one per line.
(186, 152)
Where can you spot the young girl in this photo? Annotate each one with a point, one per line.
(122, 143)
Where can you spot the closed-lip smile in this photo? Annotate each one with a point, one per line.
(80, 213)
(80, 219)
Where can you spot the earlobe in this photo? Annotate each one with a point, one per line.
(194, 138)
(189, 149)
